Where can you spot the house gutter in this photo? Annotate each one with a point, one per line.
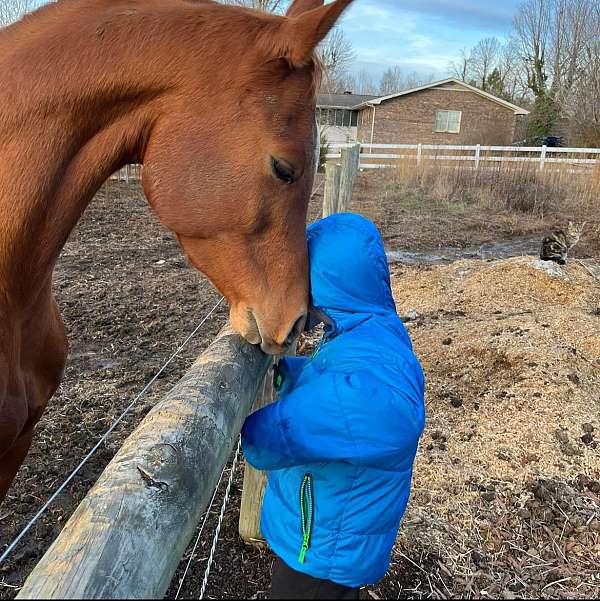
(372, 127)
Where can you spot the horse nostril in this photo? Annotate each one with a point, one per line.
(296, 330)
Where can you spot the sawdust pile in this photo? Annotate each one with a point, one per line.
(507, 481)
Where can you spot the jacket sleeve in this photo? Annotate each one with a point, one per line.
(339, 418)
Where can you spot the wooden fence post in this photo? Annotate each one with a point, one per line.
(477, 156)
(255, 481)
(350, 161)
(332, 189)
(419, 154)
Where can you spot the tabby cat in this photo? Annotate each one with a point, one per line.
(556, 247)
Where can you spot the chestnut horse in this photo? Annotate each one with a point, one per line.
(217, 102)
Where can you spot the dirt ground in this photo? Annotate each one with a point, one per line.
(506, 501)
(507, 481)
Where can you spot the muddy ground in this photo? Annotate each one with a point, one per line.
(507, 481)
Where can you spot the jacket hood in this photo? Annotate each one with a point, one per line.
(350, 278)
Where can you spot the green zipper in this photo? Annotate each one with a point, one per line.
(306, 514)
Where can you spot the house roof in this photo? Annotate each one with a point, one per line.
(342, 101)
(376, 101)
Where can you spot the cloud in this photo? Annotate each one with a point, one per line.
(484, 15)
(421, 35)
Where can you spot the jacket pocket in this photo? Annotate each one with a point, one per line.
(307, 509)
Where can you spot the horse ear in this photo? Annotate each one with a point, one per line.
(305, 29)
(302, 6)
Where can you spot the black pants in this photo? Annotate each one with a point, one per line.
(289, 584)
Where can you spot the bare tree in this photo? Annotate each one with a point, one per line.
(336, 55)
(484, 59)
(583, 105)
(553, 37)
(345, 82)
(513, 75)
(395, 80)
(551, 60)
(492, 66)
(270, 6)
(461, 67)
(13, 10)
(365, 84)
(532, 38)
(391, 81)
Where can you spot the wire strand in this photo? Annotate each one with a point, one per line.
(129, 407)
(220, 522)
(206, 514)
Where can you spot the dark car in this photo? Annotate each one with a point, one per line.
(550, 141)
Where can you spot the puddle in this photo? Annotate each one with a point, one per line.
(448, 254)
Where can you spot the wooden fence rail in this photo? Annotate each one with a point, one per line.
(127, 537)
(372, 155)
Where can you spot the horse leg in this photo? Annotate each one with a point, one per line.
(11, 461)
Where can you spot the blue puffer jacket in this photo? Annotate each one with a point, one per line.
(339, 445)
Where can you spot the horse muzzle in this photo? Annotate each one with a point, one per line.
(272, 340)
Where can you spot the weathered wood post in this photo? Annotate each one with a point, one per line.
(127, 537)
(350, 162)
(255, 481)
(543, 157)
(332, 189)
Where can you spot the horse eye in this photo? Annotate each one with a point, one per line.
(283, 171)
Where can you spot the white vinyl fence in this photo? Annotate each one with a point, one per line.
(381, 156)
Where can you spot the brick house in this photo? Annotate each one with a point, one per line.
(443, 112)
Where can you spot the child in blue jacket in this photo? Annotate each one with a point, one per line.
(340, 442)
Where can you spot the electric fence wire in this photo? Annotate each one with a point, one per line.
(8, 551)
(220, 522)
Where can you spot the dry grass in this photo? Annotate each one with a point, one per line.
(596, 178)
(517, 187)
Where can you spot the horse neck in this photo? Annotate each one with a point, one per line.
(63, 140)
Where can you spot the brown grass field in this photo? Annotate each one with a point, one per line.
(506, 498)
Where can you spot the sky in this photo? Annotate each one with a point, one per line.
(421, 35)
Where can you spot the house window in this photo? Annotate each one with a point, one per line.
(448, 122)
(338, 117)
(327, 117)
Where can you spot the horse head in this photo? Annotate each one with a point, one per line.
(230, 168)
